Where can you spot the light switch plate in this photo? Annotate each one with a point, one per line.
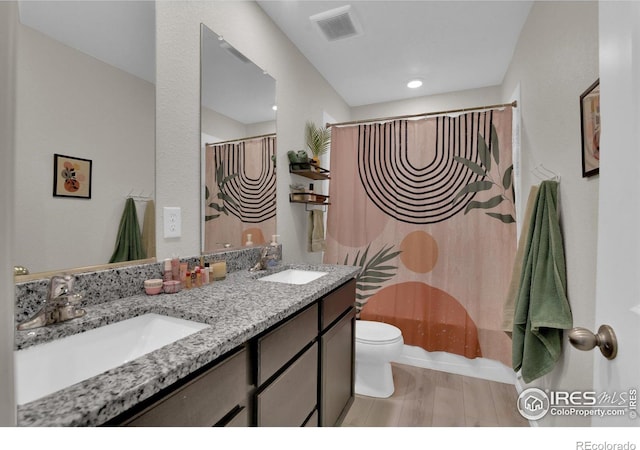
(172, 222)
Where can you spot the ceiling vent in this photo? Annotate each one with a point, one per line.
(338, 23)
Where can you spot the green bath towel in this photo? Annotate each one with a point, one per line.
(129, 240)
(542, 310)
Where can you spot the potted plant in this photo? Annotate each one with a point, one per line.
(318, 140)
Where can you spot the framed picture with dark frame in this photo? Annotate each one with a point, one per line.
(590, 125)
(71, 176)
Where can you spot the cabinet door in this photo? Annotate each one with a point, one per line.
(289, 399)
(337, 370)
(203, 401)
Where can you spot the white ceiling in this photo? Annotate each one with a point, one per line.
(450, 45)
(246, 91)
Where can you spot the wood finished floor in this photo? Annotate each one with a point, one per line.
(429, 398)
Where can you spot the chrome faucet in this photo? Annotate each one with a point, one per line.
(59, 306)
(269, 258)
(262, 262)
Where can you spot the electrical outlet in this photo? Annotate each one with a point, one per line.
(172, 222)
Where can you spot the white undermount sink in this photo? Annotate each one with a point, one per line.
(294, 276)
(46, 368)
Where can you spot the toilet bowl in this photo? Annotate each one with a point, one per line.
(377, 344)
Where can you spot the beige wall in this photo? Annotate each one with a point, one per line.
(302, 94)
(222, 127)
(73, 104)
(555, 61)
(8, 22)
(442, 102)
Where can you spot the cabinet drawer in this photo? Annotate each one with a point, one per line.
(337, 302)
(203, 401)
(277, 347)
(290, 398)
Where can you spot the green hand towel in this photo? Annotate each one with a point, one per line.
(129, 240)
(542, 309)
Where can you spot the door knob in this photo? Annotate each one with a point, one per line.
(605, 339)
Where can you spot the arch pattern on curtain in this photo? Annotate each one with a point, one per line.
(421, 190)
(240, 191)
(425, 208)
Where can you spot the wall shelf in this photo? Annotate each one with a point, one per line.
(309, 170)
(309, 198)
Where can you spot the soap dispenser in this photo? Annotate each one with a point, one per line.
(273, 252)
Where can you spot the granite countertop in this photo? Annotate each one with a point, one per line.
(237, 309)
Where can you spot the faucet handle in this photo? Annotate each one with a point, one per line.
(60, 285)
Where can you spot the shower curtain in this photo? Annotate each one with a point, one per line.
(426, 208)
(240, 192)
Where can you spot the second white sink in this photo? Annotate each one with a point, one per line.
(294, 276)
(46, 368)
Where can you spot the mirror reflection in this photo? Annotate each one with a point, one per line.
(86, 75)
(238, 147)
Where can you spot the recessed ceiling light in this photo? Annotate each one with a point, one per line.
(274, 107)
(413, 84)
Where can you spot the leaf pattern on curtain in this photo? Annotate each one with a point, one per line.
(508, 194)
(373, 273)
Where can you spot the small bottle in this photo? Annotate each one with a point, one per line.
(205, 274)
(198, 277)
(175, 268)
(193, 278)
(187, 280)
(249, 241)
(167, 274)
(312, 196)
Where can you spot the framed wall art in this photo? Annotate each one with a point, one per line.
(71, 176)
(590, 125)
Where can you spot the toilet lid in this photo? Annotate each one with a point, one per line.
(376, 332)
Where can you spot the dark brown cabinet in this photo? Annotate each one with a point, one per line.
(316, 350)
(300, 372)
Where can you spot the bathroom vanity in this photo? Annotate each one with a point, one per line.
(274, 354)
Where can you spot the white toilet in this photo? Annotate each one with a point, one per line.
(377, 344)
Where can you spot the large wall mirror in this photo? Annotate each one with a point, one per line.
(238, 147)
(85, 89)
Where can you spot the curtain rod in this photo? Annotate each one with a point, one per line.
(382, 119)
(241, 139)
